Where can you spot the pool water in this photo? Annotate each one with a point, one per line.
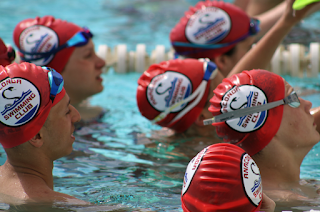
(109, 164)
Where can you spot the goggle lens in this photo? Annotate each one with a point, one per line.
(55, 81)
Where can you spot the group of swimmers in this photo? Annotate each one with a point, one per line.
(43, 97)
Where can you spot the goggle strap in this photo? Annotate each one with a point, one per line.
(211, 67)
(202, 88)
(242, 112)
(169, 109)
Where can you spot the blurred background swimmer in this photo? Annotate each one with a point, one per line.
(7, 54)
(261, 113)
(222, 32)
(223, 177)
(68, 49)
(37, 124)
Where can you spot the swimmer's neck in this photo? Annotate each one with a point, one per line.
(31, 168)
(280, 166)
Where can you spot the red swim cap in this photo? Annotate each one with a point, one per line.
(209, 22)
(247, 89)
(165, 84)
(24, 102)
(7, 54)
(42, 35)
(222, 177)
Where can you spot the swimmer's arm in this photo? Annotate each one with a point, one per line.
(242, 4)
(269, 18)
(260, 55)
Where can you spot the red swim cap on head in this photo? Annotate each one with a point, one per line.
(167, 83)
(248, 89)
(24, 102)
(42, 35)
(7, 54)
(222, 177)
(209, 22)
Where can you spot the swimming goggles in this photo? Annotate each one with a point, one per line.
(79, 39)
(254, 28)
(209, 73)
(292, 100)
(9, 55)
(55, 81)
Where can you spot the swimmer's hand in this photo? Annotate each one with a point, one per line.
(267, 205)
(292, 16)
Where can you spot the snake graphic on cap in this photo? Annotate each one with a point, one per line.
(222, 177)
(211, 28)
(27, 93)
(36, 38)
(248, 89)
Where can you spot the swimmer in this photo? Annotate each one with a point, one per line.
(69, 50)
(223, 177)
(222, 32)
(7, 54)
(36, 128)
(277, 136)
(189, 124)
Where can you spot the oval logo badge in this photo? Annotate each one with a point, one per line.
(251, 179)
(37, 39)
(192, 169)
(19, 101)
(240, 97)
(167, 89)
(207, 26)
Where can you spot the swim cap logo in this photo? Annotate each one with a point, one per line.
(207, 26)
(240, 97)
(251, 179)
(191, 169)
(37, 39)
(168, 89)
(19, 101)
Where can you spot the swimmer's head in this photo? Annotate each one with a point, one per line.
(248, 89)
(48, 41)
(164, 85)
(27, 93)
(210, 29)
(7, 54)
(222, 177)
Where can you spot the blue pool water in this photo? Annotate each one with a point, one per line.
(107, 165)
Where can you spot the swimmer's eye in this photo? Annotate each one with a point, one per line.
(88, 55)
(68, 112)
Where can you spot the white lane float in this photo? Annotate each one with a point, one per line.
(294, 59)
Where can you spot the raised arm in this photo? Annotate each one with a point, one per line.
(260, 55)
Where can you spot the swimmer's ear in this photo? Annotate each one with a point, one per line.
(223, 63)
(199, 120)
(36, 141)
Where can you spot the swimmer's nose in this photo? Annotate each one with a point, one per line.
(76, 117)
(100, 63)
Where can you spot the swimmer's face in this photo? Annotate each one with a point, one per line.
(58, 129)
(82, 73)
(298, 128)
